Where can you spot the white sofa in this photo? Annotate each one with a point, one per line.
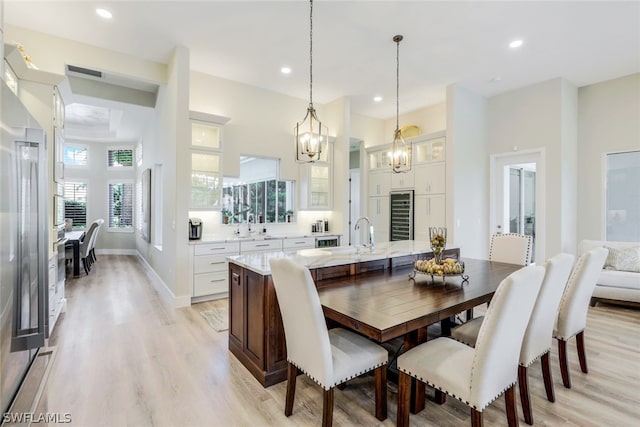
(614, 286)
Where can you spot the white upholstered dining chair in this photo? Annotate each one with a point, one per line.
(572, 314)
(329, 357)
(538, 336)
(510, 248)
(477, 376)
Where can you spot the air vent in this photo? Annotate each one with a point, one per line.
(85, 71)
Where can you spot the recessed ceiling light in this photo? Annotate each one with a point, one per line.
(104, 13)
(516, 43)
(377, 98)
(285, 70)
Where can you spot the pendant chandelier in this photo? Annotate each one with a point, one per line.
(311, 136)
(400, 155)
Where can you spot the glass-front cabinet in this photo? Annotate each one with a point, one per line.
(206, 160)
(315, 180)
(430, 150)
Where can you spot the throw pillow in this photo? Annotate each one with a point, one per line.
(624, 259)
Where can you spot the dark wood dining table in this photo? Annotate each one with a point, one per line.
(388, 305)
(73, 240)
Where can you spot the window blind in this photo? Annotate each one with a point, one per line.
(121, 205)
(120, 157)
(75, 202)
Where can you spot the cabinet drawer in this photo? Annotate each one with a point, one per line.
(209, 264)
(210, 283)
(302, 243)
(261, 245)
(217, 248)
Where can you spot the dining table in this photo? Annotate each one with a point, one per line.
(390, 304)
(73, 241)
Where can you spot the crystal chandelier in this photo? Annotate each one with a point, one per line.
(311, 136)
(400, 155)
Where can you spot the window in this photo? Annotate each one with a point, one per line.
(121, 206)
(120, 157)
(623, 196)
(268, 201)
(76, 155)
(75, 203)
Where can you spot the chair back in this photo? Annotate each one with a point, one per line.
(572, 314)
(495, 361)
(305, 330)
(94, 239)
(85, 245)
(510, 248)
(539, 333)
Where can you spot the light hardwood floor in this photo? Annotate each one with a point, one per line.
(126, 358)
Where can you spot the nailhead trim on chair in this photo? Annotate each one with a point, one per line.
(326, 387)
(527, 255)
(577, 267)
(535, 359)
(453, 395)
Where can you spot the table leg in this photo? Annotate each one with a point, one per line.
(411, 340)
(76, 258)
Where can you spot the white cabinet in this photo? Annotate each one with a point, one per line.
(379, 159)
(210, 268)
(379, 215)
(55, 291)
(428, 149)
(401, 181)
(298, 243)
(315, 186)
(430, 178)
(379, 184)
(206, 159)
(260, 246)
(428, 211)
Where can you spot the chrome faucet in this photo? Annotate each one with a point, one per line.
(371, 245)
(250, 217)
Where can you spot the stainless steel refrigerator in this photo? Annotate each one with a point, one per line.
(23, 243)
(401, 215)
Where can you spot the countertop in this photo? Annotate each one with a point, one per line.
(218, 238)
(328, 257)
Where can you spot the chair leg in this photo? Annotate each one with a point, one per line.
(381, 392)
(525, 396)
(512, 408)
(548, 379)
(292, 373)
(564, 365)
(470, 314)
(85, 264)
(327, 408)
(476, 418)
(582, 356)
(404, 399)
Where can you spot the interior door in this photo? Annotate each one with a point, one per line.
(518, 197)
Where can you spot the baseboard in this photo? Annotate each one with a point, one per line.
(162, 288)
(116, 252)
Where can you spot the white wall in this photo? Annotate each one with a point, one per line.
(429, 119)
(534, 117)
(608, 121)
(467, 171)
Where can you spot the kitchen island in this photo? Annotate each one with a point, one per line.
(256, 334)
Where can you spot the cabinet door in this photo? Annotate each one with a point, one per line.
(254, 287)
(236, 303)
(402, 180)
(315, 182)
(379, 184)
(206, 181)
(205, 135)
(379, 216)
(429, 211)
(430, 178)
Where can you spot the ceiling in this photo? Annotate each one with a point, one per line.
(353, 52)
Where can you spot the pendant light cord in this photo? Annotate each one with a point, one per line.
(311, 54)
(398, 84)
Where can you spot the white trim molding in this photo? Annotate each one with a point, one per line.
(162, 288)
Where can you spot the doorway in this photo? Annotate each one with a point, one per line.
(517, 196)
(355, 193)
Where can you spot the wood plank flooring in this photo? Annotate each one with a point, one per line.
(126, 358)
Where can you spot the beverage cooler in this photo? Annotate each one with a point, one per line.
(401, 215)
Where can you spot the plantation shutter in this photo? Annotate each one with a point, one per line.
(121, 205)
(120, 157)
(75, 203)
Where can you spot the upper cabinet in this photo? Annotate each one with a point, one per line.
(316, 184)
(206, 159)
(428, 149)
(379, 160)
